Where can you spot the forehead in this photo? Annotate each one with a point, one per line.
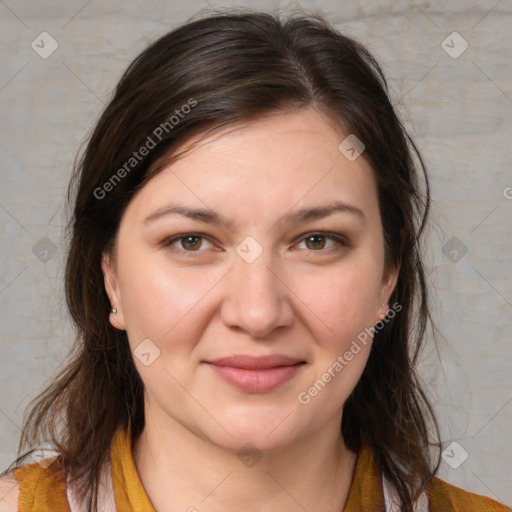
(273, 163)
(282, 131)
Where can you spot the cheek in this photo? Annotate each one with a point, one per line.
(343, 301)
(169, 306)
(165, 309)
(342, 306)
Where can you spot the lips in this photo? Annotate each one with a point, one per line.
(256, 363)
(256, 374)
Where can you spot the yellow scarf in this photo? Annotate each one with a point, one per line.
(42, 489)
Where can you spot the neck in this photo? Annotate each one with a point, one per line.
(182, 471)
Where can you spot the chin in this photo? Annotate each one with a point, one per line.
(266, 429)
(253, 440)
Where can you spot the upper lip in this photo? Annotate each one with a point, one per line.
(256, 363)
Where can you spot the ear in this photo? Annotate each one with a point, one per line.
(112, 289)
(389, 280)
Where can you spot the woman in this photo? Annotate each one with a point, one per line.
(245, 277)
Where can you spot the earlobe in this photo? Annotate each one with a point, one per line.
(383, 311)
(116, 317)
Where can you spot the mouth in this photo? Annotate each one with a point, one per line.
(256, 374)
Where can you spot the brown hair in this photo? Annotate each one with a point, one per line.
(234, 67)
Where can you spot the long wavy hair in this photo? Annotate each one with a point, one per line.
(233, 67)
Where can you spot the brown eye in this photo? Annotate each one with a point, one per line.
(316, 242)
(192, 242)
(189, 242)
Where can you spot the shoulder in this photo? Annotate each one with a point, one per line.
(34, 486)
(9, 490)
(444, 497)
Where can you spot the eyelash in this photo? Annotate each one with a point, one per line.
(339, 239)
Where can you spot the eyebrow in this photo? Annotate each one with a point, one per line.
(212, 217)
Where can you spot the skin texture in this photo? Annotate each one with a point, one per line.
(201, 300)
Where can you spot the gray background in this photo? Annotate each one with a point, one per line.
(458, 110)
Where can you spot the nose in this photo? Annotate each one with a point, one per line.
(257, 299)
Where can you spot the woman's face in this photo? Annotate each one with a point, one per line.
(268, 282)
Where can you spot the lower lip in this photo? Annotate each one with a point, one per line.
(256, 381)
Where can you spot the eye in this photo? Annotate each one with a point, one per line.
(316, 241)
(190, 242)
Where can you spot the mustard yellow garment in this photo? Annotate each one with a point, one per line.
(44, 490)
